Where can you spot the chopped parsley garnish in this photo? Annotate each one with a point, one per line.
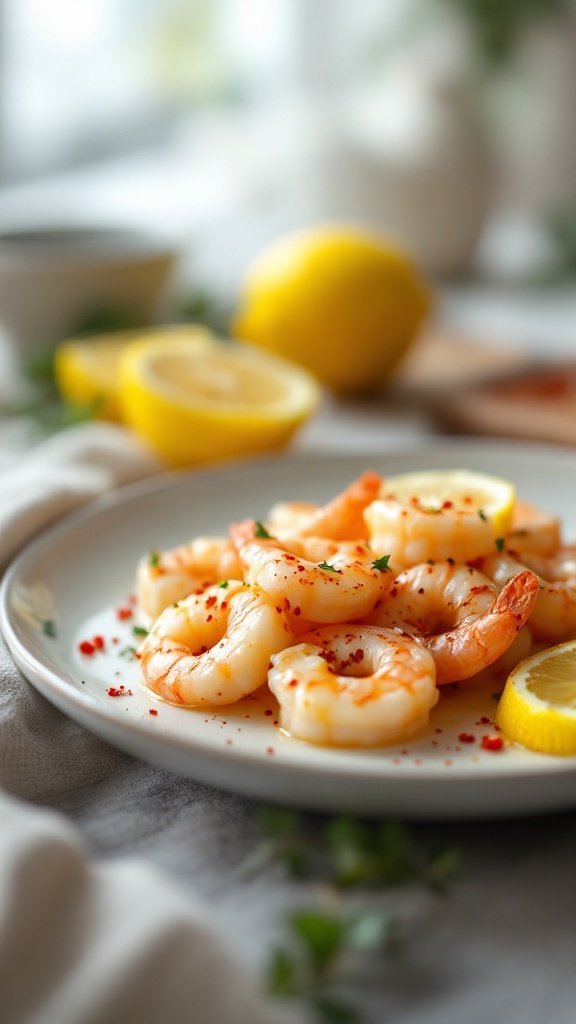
(261, 531)
(224, 584)
(127, 652)
(328, 568)
(500, 543)
(154, 559)
(49, 628)
(381, 564)
(482, 514)
(139, 631)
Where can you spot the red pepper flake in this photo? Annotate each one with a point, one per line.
(268, 712)
(124, 613)
(115, 639)
(118, 691)
(492, 742)
(153, 712)
(86, 647)
(467, 737)
(269, 750)
(297, 611)
(98, 642)
(484, 720)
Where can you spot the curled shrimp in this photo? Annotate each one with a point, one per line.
(320, 580)
(554, 614)
(214, 647)
(342, 518)
(458, 615)
(166, 577)
(356, 686)
(533, 531)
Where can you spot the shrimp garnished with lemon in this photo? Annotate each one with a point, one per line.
(356, 612)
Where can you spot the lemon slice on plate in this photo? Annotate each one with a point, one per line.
(86, 369)
(199, 404)
(538, 705)
(439, 514)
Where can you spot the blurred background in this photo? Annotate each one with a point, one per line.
(217, 125)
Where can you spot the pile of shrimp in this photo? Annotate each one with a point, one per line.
(354, 643)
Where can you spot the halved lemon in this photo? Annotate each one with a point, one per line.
(86, 369)
(197, 404)
(440, 514)
(538, 705)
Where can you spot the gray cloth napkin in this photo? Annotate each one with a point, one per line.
(82, 941)
(499, 946)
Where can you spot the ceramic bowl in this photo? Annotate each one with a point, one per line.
(55, 280)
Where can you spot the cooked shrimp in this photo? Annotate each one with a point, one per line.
(533, 531)
(554, 614)
(289, 516)
(166, 577)
(520, 648)
(322, 580)
(356, 686)
(214, 647)
(458, 614)
(342, 518)
(411, 533)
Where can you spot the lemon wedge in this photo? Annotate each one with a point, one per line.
(86, 369)
(538, 705)
(439, 514)
(196, 404)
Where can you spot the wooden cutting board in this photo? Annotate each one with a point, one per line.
(477, 387)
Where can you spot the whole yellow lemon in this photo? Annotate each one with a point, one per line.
(341, 301)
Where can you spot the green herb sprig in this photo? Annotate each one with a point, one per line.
(345, 857)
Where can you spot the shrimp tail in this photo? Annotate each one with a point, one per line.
(242, 532)
(518, 597)
(343, 517)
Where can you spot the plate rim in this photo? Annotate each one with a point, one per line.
(169, 481)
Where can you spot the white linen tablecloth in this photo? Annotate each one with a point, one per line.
(120, 898)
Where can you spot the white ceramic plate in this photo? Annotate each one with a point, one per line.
(80, 573)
